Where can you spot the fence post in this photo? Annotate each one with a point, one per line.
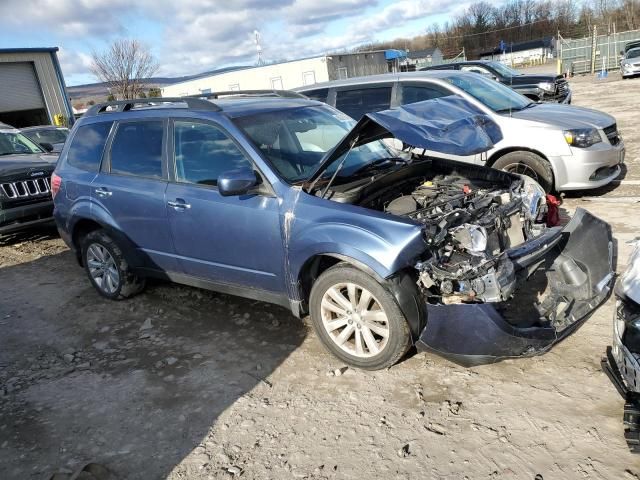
(594, 46)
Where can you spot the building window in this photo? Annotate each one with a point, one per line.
(276, 83)
(342, 73)
(308, 78)
(235, 87)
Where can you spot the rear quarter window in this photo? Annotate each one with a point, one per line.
(358, 102)
(87, 146)
(319, 94)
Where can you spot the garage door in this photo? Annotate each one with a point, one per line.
(20, 88)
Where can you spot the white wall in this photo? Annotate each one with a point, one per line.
(285, 75)
(524, 56)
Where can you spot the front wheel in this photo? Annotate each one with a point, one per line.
(357, 319)
(529, 164)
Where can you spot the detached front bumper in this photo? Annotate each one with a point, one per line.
(478, 333)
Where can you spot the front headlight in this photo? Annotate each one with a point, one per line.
(548, 87)
(534, 198)
(582, 137)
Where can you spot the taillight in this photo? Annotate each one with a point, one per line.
(56, 181)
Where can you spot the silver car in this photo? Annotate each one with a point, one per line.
(562, 147)
(630, 63)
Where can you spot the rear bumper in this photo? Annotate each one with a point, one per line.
(479, 333)
(19, 218)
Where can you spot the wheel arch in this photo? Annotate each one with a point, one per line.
(501, 153)
(401, 284)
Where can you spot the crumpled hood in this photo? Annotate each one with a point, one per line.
(565, 116)
(629, 282)
(36, 162)
(449, 125)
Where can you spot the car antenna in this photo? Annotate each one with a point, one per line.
(353, 144)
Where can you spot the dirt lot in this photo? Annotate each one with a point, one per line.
(181, 383)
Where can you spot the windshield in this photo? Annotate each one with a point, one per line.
(296, 140)
(14, 143)
(50, 135)
(504, 70)
(633, 53)
(494, 95)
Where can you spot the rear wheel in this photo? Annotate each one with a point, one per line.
(357, 319)
(529, 164)
(107, 268)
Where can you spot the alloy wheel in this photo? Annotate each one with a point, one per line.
(102, 268)
(522, 169)
(355, 320)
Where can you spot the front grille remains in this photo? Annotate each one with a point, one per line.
(562, 87)
(612, 134)
(26, 188)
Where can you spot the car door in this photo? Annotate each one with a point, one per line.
(131, 188)
(234, 240)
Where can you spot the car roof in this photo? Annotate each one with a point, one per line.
(385, 77)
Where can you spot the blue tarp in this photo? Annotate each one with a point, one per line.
(392, 54)
(447, 125)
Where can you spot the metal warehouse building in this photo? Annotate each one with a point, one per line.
(32, 89)
(285, 75)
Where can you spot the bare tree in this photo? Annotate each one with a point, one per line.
(124, 66)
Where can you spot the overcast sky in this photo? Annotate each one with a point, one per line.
(192, 36)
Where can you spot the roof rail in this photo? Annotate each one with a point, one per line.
(250, 93)
(170, 102)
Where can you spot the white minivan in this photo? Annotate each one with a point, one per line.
(562, 147)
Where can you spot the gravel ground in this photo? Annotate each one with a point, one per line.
(180, 383)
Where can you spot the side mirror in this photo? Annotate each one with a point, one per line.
(47, 146)
(237, 182)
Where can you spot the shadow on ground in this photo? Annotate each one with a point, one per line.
(135, 385)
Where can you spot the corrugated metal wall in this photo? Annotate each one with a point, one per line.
(52, 92)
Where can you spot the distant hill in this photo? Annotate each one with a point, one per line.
(90, 90)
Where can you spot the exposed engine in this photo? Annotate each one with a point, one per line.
(468, 225)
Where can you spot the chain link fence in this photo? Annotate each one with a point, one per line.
(594, 53)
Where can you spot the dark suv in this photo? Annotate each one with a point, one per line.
(286, 201)
(538, 87)
(25, 195)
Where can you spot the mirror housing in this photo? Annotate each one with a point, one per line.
(237, 182)
(47, 146)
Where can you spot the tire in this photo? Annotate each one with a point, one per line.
(107, 268)
(379, 311)
(530, 164)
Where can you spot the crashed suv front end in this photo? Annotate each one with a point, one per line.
(495, 282)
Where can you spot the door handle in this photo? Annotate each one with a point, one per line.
(179, 204)
(103, 192)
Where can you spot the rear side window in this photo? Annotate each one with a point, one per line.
(356, 103)
(85, 151)
(320, 94)
(137, 149)
(413, 94)
(203, 152)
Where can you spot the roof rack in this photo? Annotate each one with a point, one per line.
(170, 102)
(250, 93)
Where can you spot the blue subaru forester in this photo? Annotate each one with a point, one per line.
(289, 201)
